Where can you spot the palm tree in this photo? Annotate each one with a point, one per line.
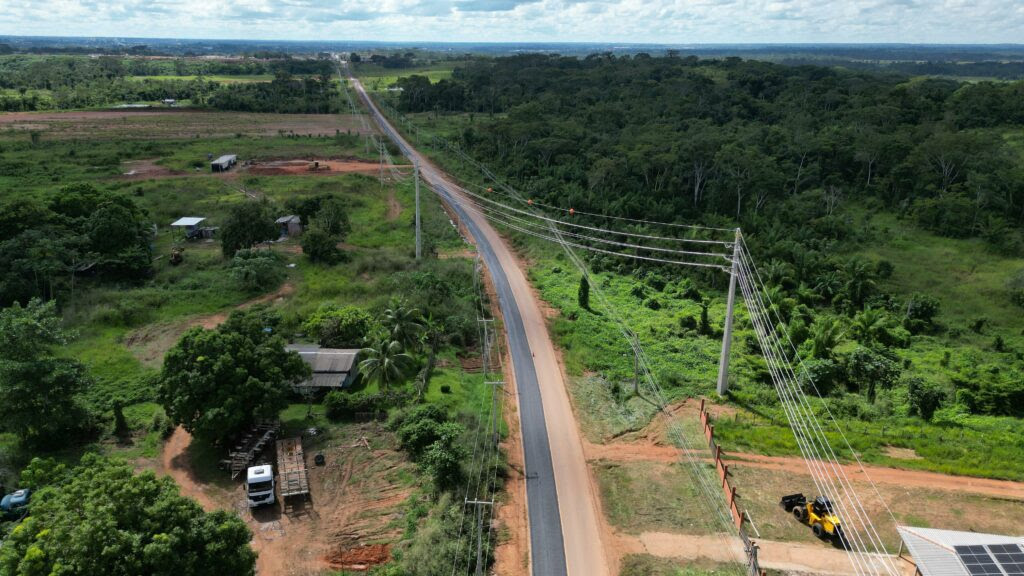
(403, 324)
(385, 362)
(858, 281)
(826, 334)
(868, 326)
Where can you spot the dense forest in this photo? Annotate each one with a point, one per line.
(800, 158)
(29, 83)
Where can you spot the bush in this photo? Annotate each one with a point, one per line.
(319, 246)
(339, 327)
(257, 270)
(341, 405)
(923, 397)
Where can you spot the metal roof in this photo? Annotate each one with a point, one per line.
(287, 219)
(331, 366)
(934, 553)
(187, 221)
(225, 159)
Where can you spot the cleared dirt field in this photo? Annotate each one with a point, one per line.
(355, 501)
(160, 124)
(312, 167)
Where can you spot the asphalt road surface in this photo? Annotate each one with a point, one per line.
(563, 509)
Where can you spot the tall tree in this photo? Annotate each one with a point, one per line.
(103, 519)
(40, 389)
(216, 383)
(248, 224)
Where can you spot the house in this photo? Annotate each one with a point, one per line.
(332, 367)
(224, 163)
(954, 553)
(189, 225)
(169, 102)
(290, 225)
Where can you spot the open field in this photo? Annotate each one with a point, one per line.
(154, 124)
(378, 79)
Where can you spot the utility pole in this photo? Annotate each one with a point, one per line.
(636, 367)
(723, 363)
(380, 154)
(419, 241)
(486, 345)
(479, 532)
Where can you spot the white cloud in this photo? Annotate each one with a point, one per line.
(670, 21)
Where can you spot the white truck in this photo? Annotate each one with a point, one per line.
(259, 485)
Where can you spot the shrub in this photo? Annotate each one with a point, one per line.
(256, 270)
(923, 397)
(319, 246)
(653, 304)
(339, 327)
(341, 405)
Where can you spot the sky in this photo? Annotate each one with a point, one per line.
(605, 21)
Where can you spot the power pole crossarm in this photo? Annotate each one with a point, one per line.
(723, 363)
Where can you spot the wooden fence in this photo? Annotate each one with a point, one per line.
(749, 546)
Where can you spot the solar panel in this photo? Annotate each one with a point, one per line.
(992, 560)
(978, 561)
(1010, 557)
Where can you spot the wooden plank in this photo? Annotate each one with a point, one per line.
(291, 467)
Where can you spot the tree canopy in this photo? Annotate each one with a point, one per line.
(40, 389)
(101, 518)
(216, 383)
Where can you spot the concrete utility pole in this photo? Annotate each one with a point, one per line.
(723, 363)
(479, 532)
(419, 241)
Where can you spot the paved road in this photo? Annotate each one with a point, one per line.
(565, 536)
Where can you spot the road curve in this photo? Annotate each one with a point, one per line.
(563, 509)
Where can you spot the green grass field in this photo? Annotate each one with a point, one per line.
(378, 79)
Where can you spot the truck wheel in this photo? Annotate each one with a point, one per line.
(799, 513)
(818, 531)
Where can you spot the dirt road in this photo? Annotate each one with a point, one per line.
(577, 502)
(636, 452)
(790, 557)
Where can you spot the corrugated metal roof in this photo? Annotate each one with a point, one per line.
(933, 550)
(225, 159)
(287, 219)
(187, 221)
(331, 366)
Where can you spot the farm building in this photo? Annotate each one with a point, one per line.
(224, 163)
(332, 367)
(189, 225)
(290, 225)
(955, 553)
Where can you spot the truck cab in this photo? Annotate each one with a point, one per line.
(259, 485)
(11, 505)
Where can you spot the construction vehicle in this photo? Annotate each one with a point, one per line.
(259, 485)
(818, 514)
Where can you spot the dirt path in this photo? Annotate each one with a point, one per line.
(176, 464)
(786, 556)
(639, 452)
